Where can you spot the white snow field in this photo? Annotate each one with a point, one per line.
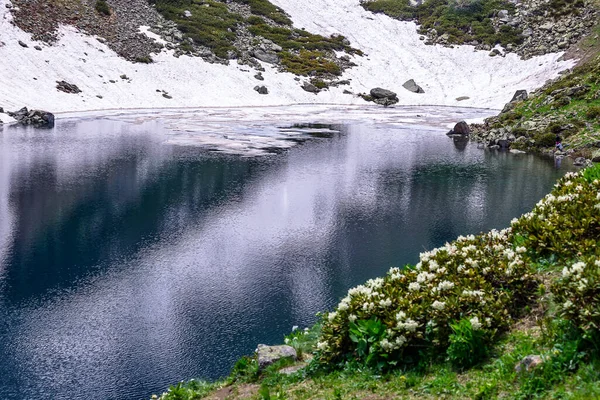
(393, 51)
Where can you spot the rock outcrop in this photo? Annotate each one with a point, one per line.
(461, 128)
(36, 118)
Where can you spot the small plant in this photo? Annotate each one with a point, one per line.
(102, 7)
(467, 343)
(144, 60)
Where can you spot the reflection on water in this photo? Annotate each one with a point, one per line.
(127, 264)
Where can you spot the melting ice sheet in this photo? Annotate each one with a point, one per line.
(258, 131)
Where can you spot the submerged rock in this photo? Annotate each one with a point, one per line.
(267, 355)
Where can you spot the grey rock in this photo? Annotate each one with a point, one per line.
(23, 44)
(582, 162)
(268, 57)
(38, 48)
(261, 89)
(412, 86)
(309, 87)
(519, 95)
(528, 363)
(267, 355)
(167, 96)
(461, 98)
(259, 76)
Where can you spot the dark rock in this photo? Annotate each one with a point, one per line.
(36, 118)
(461, 98)
(259, 76)
(267, 355)
(167, 96)
(346, 91)
(309, 87)
(23, 44)
(412, 86)
(461, 128)
(380, 93)
(383, 97)
(66, 87)
(261, 89)
(98, 96)
(519, 95)
(1, 110)
(38, 48)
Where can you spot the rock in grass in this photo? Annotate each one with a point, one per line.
(528, 363)
(267, 355)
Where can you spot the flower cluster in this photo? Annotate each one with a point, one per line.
(566, 221)
(483, 278)
(577, 294)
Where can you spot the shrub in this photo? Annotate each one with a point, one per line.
(482, 278)
(545, 139)
(102, 7)
(592, 112)
(577, 295)
(566, 221)
(467, 343)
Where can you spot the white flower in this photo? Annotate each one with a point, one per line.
(294, 328)
(433, 265)
(400, 340)
(521, 250)
(386, 345)
(414, 286)
(445, 285)
(566, 272)
(514, 221)
(323, 346)
(597, 263)
(567, 304)
(410, 325)
(400, 315)
(475, 323)
(375, 283)
(331, 316)
(578, 267)
(351, 317)
(438, 305)
(385, 302)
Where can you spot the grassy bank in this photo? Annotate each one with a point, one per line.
(458, 324)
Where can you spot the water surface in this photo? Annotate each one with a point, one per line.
(130, 259)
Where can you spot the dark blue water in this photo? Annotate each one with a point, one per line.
(128, 264)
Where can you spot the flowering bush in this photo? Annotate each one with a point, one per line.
(567, 221)
(577, 295)
(482, 278)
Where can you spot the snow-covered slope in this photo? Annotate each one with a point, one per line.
(393, 51)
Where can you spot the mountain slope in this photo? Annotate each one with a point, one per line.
(393, 54)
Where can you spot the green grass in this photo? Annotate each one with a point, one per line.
(214, 26)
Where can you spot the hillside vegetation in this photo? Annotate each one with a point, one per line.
(568, 107)
(504, 314)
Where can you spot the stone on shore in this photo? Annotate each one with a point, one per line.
(267, 355)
